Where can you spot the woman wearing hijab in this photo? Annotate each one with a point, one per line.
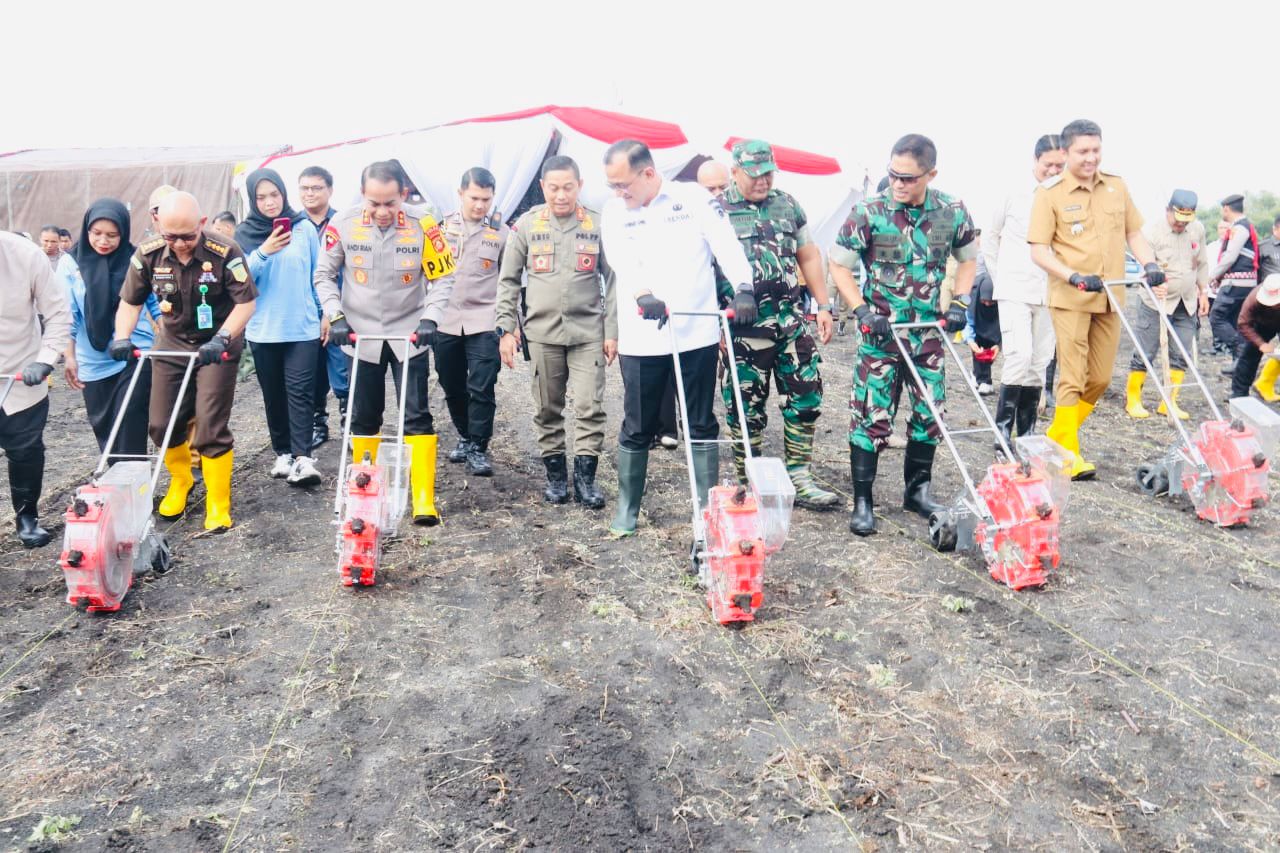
(284, 333)
(93, 284)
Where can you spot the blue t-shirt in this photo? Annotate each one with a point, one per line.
(96, 364)
(287, 308)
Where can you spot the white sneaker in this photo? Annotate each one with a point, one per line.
(897, 442)
(282, 467)
(304, 472)
(984, 388)
(670, 442)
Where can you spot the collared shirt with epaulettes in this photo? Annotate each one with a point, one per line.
(384, 288)
(1087, 227)
(569, 296)
(904, 251)
(477, 251)
(216, 264)
(771, 232)
(1183, 259)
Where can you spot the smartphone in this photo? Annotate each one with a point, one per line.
(283, 223)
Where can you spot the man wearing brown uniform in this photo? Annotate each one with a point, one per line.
(466, 345)
(571, 326)
(1080, 223)
(206, 298)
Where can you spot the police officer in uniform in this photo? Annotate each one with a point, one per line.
(466, 345)
(902, 239)
(397, 274)
(1080, 222)
(774, 233)
(571, 326)
(206, 298)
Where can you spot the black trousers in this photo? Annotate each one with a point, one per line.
(1247, 358)
(286, 372)
(333, 367)
(644, 381)
(22, 439)
(371, 394)
(468, 369)
(667, 419)
(103, 399)
(1225, 313)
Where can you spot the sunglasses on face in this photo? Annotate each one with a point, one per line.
(904, 179)
(181, 238)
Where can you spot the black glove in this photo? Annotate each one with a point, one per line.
(339, 331)
(653, 308)
(425, 334)
(871, 323)
(121, 350)
(1087, 283)
(36, 372)
(1153, 274)
(955, 319)
(744, 308)
(212, 350)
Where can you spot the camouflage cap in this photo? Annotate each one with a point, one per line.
(754, 156)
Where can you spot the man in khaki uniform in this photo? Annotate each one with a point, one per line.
(570, 325)
(466, 344)
(1080, 223)
(1178, 243)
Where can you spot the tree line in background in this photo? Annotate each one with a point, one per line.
(1261, 208)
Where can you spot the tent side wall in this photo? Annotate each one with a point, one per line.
(30, 199)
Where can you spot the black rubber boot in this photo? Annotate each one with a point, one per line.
(1025, 410)
(26, 478)
(917, 473)
(478, 464)
(1050, 372)
(585, 490)
(557, 490)
(1006, 408)
(862, 464)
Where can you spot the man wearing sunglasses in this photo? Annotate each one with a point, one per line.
(902, 240)
(774, 232)
(1080, 223)
(206, 299)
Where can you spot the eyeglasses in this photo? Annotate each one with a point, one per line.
(312, 189)
(905, 180)
(181, 238)
(620, 187)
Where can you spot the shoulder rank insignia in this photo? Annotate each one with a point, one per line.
(219, 249)
(151, 245)
(1052, 182)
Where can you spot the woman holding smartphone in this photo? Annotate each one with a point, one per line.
(284, 333)
(102, 257)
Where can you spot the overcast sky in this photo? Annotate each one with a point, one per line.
(983, 79)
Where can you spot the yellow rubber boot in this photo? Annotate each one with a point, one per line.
(1175, 381)
(361, 446)
(1266, 382)
(422, 478)
(1080, 469)
(1133, 395)
(1063, 428)
(217, 487)
(178, 461)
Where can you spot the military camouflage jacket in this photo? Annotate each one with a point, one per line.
(770, 232)
(904, 252)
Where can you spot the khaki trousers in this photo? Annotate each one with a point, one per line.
(1087, 345)
(578, 369)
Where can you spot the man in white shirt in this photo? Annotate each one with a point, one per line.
(1026, 330)
(661, 237)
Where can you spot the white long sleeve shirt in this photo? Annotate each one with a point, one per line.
(667, 247)
(29, 290)
(1008, 255)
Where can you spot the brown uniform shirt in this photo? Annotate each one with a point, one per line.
(217, 263)
(477, 251)
(1087, 229)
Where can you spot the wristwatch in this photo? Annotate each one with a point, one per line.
(499, 330)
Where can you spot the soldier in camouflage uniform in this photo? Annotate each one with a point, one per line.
(902, 239)
(774, 233)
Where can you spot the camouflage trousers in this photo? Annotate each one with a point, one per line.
(793, 361)
(878, 379)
